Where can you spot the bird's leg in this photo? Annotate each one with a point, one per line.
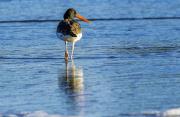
(66, 70)
(66, 52)
(72, 50)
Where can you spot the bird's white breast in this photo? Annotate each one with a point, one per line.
(69, 38)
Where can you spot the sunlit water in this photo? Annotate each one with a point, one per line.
(120, 68)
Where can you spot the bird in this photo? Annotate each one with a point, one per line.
(69, 30)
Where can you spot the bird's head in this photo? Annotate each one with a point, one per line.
(72, 13)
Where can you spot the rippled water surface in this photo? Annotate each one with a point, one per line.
(120, 67)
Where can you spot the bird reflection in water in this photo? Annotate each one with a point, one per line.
(74, 78)
(71, 81)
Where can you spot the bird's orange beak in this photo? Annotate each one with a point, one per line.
(82, 18)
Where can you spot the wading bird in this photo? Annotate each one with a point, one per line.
(69, 30)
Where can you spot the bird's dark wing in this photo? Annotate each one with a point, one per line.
(63, 27)
(75, 27)
(70, 27)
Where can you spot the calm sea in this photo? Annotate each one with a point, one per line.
(121, 68)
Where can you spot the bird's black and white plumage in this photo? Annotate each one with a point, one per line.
(69, 30)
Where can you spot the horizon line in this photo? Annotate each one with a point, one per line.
(92, 19)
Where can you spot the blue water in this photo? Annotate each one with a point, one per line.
(120, 68)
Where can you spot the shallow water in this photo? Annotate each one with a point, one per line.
(120, 67)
